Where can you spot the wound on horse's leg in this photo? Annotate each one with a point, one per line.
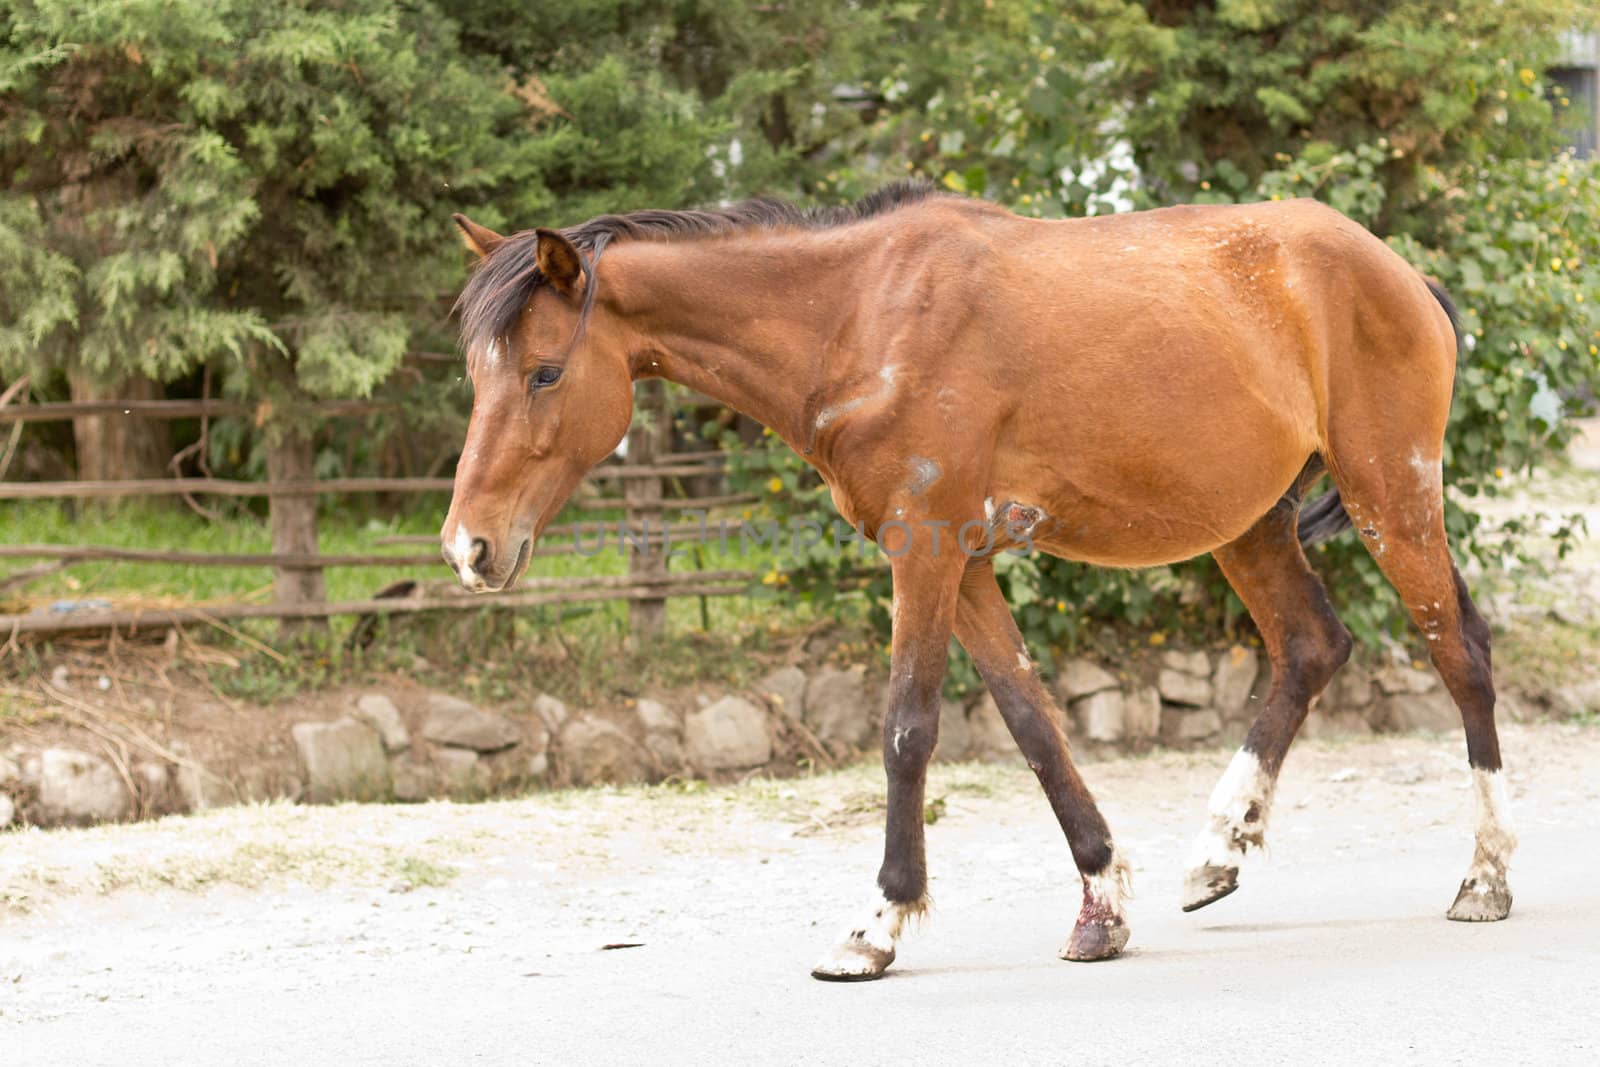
(989, 634)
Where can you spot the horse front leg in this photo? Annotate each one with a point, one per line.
(925, 591)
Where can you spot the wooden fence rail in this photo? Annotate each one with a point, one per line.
(324, 487)
(650, 481)
(172, 409)
(68, 622)
(535, 592)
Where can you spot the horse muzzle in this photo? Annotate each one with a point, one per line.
(479, 566)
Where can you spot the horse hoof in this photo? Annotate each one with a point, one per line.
(1480, 902)
(1207, 885)
(1098, 939)
(853, 961)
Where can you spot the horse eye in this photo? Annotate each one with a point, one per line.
(545, 376)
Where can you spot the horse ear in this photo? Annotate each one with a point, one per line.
(559, 261)
(480, 239)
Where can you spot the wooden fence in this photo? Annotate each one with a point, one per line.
(645, 488)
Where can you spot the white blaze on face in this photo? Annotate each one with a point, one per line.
(1245, 790)
(460, 551)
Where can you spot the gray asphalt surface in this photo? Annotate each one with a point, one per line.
(1334, 950)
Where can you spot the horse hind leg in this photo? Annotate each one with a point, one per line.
(1397, 506)
(1306, 643)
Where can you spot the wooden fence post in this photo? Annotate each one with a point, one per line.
(290, 458)
(649, 441)
(113, 447)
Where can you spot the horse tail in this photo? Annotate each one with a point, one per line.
(1325, 518)
(1449, 306)
(1322, 519)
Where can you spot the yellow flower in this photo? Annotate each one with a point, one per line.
(1499, 472)
(1061, 605)
(1593, 351)
(1158, 638)
(1526, 75)
(775, 485)
(1555, 264)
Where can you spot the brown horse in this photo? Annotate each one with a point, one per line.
(1126, 391)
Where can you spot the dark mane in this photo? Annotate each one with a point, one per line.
(503, 282)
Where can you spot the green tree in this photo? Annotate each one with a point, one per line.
(266, 188)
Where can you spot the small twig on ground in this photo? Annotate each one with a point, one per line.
(243, 638)
(113, 648)
(117, 753)
(194, 651)
(96, 721)
(808, 739)
(204, 655)
(29, 574)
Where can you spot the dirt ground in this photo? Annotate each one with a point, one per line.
(478, 933)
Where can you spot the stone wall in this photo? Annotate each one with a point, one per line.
(414, 745)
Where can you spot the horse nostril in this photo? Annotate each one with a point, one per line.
(480, 552)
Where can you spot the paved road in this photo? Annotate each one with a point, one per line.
(1335, 949)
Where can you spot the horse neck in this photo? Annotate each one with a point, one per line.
(744, 319)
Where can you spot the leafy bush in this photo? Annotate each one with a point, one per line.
(1415, 120)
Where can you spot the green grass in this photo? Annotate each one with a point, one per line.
(575, 651)
(1541, 653)
(156, 526)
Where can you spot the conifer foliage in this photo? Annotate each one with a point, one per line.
(266, 187)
